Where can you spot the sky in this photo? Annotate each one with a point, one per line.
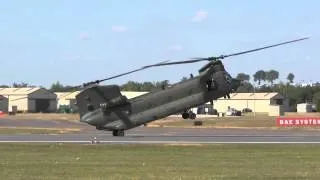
(77, 41)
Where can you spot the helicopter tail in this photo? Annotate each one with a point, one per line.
(96, 97)
(106, 99)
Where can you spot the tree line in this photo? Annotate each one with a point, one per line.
(265, 76)
(129, 86)
(17, 85)
(266, 83)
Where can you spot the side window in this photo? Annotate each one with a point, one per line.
(90, 107)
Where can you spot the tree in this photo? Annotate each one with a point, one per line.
(243, 77)
(20, 85)
(264, 88)
(58, 87)
(259, 76)
(271, 76)
(147, 86)
(316, 96)
(245, 87)
(162, 84)
(290, 77)
(131, 86)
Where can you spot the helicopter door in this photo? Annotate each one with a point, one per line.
(211, 85)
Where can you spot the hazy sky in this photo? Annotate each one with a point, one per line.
(76, 41)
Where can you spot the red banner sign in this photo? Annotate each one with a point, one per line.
(298, 121)
(1, 114)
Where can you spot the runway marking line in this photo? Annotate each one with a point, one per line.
(164, 142)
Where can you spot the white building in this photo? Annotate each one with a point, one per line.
(30, 99)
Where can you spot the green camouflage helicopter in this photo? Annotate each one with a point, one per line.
(107, 109)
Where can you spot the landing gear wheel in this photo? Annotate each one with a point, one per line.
(185, 115)
(193, 115)
(118, 133)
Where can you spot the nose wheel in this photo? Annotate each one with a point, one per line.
(118, 133)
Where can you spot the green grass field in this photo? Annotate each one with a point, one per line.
(85, 162)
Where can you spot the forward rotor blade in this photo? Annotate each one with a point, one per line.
(177, 62)
(266, 47)
(194, 60)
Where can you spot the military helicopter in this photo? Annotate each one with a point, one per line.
(107, 109)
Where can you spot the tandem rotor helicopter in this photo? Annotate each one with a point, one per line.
(107, 109)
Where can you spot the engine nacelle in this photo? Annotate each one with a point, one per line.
(115, 102)
(120, 103)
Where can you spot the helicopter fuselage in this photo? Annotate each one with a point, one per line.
(159, 104)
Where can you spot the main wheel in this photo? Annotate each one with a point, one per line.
(193, 115)
(118, 133)
(185, 115)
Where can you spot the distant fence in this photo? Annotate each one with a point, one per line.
(308, 114)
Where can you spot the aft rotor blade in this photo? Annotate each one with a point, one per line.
(112, 77)
(142, 68)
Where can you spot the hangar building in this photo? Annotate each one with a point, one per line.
(3, 104)
(257, 102)
(30, 99)
(66, 98)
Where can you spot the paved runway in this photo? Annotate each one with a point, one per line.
(174, 135)
(41, 123)
(162, 135)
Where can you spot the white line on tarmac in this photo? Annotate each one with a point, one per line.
(163, 142)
